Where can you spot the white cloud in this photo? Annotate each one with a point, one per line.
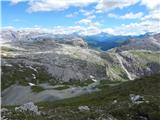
(84, 21)
(135, 28)
(90, 31)
(91, 17)
(154, 15)
(88, 22)
(16, 1)
(66, 30)
(101, 5)
(55, 5)
(8, 27)
(129, 15)
(149, 23)
(72, 15)
(106, 5)
(151, 4)
(129, 29)
(86, 12)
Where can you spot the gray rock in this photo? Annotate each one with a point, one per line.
(4, 118)
(110, 117)
(28, 107)
(114, 102)
(136, 99)
(83, 108)
(4, 110)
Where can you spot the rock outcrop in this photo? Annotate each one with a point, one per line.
(28, 107)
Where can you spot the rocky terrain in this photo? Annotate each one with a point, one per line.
(132, 100)
(31, 59)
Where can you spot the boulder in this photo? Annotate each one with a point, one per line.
(28, 107)
(4, 110)
(83, 108)
(136, 99)
(77, 42)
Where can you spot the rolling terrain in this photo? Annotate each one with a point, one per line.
(67, 74)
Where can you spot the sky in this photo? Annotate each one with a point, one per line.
(119, 17)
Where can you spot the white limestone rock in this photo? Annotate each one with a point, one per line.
(83, 108)
(28, 107)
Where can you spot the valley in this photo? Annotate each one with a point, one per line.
(47, 71)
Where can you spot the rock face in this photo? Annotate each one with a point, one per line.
(64, 62)
(77, 42)
(28, 107)
(72, 60)
(148, 43)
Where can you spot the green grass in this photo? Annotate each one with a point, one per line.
(62, 87)
(149, 87)
(78, 83)
(37, 89)
(107, 83)
(23, 75)
(101, 102)
(154, 57)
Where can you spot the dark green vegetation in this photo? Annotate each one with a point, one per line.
(37, 89)
(78, 82)
(23, 74)
(101, 103)
(62, 87)
(106, 83)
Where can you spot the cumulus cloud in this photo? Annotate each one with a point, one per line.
(89, 25)
(154, 15)
(90, 31)
(129, 15)
(124, 29)
(101, 5)
(151, 4)
(56, 5)
(106, 5)
(17, 1)
(134, 28)
(86, 12)
(88, 22)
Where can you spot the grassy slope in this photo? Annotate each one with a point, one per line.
(23, 75)
(101, 103)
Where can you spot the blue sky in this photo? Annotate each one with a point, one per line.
(87, 17)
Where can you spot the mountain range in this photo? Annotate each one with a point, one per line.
(38, 58)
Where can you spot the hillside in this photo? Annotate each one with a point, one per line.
(70, 65)
(111, 103)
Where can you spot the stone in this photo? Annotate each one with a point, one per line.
(28, 107)
(83, 108)
(136, 99)
(3, 110)
(114, 102)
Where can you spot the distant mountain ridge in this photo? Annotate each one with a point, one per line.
(102, 41)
